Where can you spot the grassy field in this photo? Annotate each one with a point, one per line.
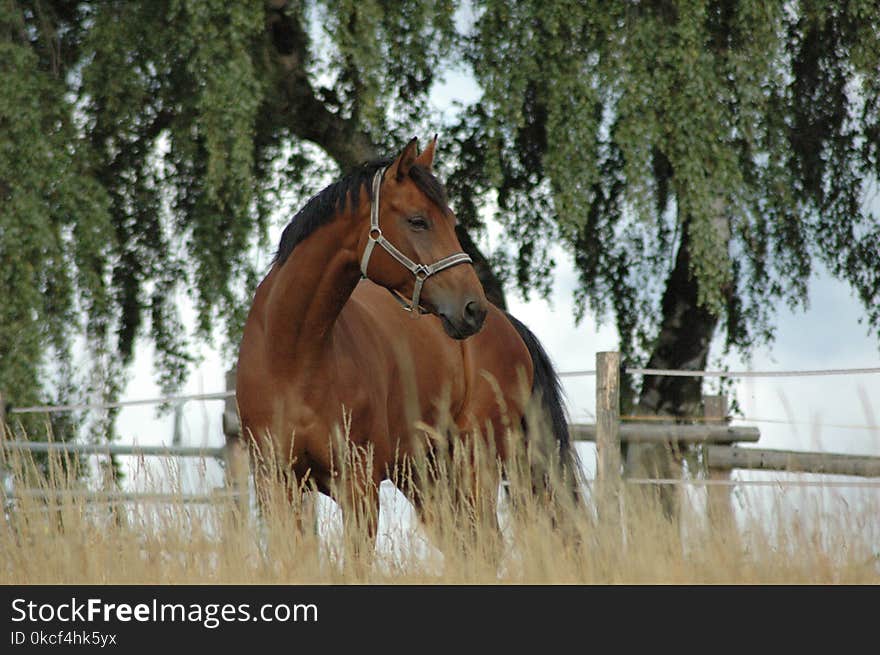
(800, 536)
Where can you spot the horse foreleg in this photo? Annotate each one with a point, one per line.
(477, 507)
(484, 446)
(456, 502)
(358, 498)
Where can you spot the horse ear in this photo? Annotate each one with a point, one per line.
(407, 158)
(426, 159)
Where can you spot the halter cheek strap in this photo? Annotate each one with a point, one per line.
(421, 272)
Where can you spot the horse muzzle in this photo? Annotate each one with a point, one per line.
(465, 322)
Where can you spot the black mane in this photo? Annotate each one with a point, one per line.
(326, 204)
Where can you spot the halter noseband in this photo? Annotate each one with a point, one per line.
(421, 272)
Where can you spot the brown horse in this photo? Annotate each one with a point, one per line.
(325, 342)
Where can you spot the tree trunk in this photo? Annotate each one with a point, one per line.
(683, 342)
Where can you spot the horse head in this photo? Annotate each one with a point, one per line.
(419, 256)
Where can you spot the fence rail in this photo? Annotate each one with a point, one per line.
(671, 433)
(790, 461)
(113, 449)
(686, 373)
(114, 497)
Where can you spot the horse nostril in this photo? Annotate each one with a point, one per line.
(474, 314)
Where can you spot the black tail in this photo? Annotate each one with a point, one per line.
(547, 388)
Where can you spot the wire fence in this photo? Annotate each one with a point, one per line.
(223, 395)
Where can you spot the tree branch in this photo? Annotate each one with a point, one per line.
(298, 108)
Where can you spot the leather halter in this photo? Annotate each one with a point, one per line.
(421, 272)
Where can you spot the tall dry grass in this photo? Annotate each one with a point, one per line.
(544, 538)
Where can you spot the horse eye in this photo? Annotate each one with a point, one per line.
(418, 223)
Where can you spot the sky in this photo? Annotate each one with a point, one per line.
(827, 335)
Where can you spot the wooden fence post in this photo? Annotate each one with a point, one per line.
(608, 432)
(237, 456)
(231, 422)
(720, 505)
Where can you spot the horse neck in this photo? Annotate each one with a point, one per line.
(310, 289)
